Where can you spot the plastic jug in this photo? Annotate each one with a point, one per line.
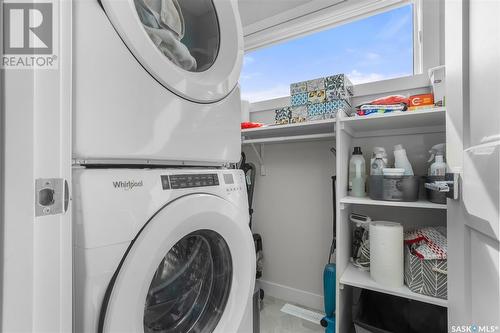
(357, 173)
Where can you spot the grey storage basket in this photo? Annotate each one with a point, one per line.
(427, 274)
(426, 277)
(394, 188)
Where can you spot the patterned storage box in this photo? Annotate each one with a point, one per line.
(316, 111)
(316, 84)
(332, 95)
(426, 262)
(282, 115)
(299, 114)
(317, 96)
(339, 83)
(333, 107)
(299, 99)
(298, 88)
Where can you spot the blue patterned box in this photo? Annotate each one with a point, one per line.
(317, 96)
(316, 111)
(298, 88)
(316, 84)
(282, 115)
(338, 87)
(335, 106)
(299, 114)
(299, 99)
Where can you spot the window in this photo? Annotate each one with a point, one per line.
(371, 49)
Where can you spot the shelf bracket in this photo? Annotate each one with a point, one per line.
(341, 206)
(260, 157)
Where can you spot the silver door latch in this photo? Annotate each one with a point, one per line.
(51, 196)
(449, 185)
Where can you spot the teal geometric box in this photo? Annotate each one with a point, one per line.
(316, 111)
(299, 99)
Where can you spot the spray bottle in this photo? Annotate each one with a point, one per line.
(401, 160)
(438, 167)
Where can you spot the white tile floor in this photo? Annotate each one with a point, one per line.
(272, 320)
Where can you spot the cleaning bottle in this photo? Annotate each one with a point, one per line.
(401, 160)
(357, 173)
(379, 150)
(377, 165)
(438, 167)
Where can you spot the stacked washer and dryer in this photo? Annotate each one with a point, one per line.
(161, 234)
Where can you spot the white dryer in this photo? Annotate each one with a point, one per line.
(157, 80)
(162, 250)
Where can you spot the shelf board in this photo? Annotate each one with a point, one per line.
(398, 123)
(355, 277)
(306, 131)
(422, 203)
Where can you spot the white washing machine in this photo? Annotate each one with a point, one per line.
(162, 250)
(156, 80)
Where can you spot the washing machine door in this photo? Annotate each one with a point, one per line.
(188, 270)
(192, 47)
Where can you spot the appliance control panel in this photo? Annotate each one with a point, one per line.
(182, 181)
(234, 183)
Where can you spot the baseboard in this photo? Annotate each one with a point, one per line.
(292, 295)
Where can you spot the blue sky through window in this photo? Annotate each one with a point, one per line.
(371, 49)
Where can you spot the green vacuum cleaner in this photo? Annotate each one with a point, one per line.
(329, 275)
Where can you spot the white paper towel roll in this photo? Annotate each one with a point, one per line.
(386, 253)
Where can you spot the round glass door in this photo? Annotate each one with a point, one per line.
(185, 31)
(190, 288)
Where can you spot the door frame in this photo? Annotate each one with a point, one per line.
(36, 252)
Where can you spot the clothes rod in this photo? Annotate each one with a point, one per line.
(305, 137)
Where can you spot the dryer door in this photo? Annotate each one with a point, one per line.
(192, 47)
(188, 270)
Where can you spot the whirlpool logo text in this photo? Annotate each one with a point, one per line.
(127, 184)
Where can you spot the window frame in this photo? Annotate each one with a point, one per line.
(428, 46)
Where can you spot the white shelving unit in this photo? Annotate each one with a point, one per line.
(399, 123)
(306, 131)
(355, 277)
(422, 203)
(417, 131)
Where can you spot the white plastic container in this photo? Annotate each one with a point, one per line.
(437, 75)
(393, 172)
(357, 173)
(401, 160)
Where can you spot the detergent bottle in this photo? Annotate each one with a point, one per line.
(379, 156)
(357, 173)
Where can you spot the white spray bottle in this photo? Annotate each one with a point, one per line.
(401, 160)
(438, 167)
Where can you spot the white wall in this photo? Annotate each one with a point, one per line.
(293, 213)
